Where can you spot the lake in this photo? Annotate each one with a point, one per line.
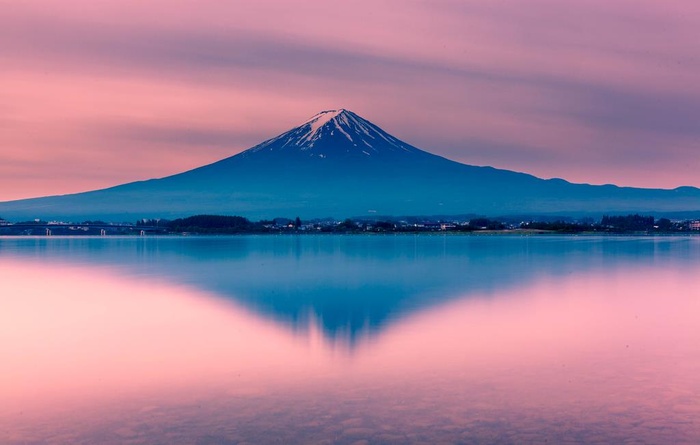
(350, 340)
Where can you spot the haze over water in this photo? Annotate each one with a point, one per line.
(339, 339)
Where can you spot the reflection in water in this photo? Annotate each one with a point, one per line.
(456, 339)
(353, 286)
(78, 332)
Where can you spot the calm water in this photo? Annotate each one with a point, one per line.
(349, 340)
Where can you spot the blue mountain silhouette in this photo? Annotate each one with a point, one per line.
(339, 164)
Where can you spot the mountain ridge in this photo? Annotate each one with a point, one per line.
(337, 163)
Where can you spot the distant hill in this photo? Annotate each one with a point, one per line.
(339, 164)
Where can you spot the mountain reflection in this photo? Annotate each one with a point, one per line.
(354, 286)
(453, 340)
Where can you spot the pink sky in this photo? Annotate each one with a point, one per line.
(94, 94)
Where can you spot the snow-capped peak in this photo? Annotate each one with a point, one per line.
(333, 117)
(333, 133)
(322, 118)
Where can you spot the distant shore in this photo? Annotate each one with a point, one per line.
(236, 225)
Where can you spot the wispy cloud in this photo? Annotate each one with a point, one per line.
(592, 91)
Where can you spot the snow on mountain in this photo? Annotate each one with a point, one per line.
(339, 164)
(335, 133)
(321, 119)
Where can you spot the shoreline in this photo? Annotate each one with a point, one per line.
(483, 233)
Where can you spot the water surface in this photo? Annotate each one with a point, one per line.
(340, 339)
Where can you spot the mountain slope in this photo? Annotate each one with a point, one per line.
(339, 164)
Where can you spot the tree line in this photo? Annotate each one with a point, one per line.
(213, 224)
(221, 224)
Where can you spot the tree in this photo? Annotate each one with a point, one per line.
(347, 225)
(485, 223)
(211, 224)
(629, 223)
(664, 224)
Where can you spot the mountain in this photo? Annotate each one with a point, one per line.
(339, 164)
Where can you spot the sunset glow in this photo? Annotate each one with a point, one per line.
(94, 94)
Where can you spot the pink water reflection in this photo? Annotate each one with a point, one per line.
(590, 357)
(72, 334)
(582, 339)
(626, 313)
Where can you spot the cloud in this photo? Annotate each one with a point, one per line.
(589, 90)
(175, 135)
